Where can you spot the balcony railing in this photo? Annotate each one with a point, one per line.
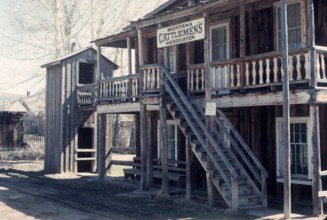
(251, 72)
(257, 71)
(87, 94)
(119, 89)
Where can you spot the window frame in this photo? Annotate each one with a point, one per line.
(303, 26)
(228, 49)
(78, 71)
(174, 52)
(169, 122)
(295, 179)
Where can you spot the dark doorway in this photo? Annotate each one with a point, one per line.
(85, 141)
(86, 73)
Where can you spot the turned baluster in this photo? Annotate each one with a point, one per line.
(202, 79)
(247, 74)
(318, 67)
(267, 70)
(238, 75)
(307, 65)
(298, 67)
(197, 79)
(275, 69)
(323, 66)
(254, 73)
(192, 80)
(290, 64)
(260, 71)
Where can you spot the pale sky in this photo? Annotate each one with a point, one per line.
(14, 71)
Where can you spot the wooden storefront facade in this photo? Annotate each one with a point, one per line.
(215, 103)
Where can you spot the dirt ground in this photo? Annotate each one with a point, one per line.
(27, 193)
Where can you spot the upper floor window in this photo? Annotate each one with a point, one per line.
(172, 59)
(86, 73)
(294, 26)
(219, 42)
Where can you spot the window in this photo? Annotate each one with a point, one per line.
(294, 27)
(86, 73)
(219, 43)
(300, 150)
(172, 59)
(171, 139)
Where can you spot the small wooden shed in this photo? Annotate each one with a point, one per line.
(11, 125)
(67, 128)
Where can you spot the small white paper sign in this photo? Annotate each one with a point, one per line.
(210, 109)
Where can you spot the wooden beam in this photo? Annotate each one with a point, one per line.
(124, 108)
(250, 100)
(316, 164)
(144, 146)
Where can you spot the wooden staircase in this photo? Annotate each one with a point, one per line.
(236, 172)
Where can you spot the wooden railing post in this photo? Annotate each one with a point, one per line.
(234, 190)
(264, 195)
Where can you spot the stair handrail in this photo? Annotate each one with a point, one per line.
(242, 143)
(200, 123)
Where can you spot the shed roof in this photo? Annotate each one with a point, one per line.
(14, 107)
(60, 59)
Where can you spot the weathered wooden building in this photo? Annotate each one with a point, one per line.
(207, 95)
(70, 126)
(11, 125)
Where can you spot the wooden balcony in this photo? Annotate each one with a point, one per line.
(251, 74)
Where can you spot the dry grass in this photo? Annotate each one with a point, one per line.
(28, 152)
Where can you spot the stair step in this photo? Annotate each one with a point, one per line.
(247, 200)
(242, 181)
(242, 190)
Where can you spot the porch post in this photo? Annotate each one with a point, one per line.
(129, 55)
(143, 147)
(242, 41)
(286, 113)
(188, 170)
(98, 74)
(316, 163)
(208, 98)
(163, 147)
(149, 165)
(312, 44)
(101, 146)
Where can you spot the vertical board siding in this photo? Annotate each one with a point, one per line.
(62, 115)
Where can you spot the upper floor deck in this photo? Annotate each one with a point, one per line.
(252, 75)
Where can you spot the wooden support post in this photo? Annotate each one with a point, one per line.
(315, 143)
(141, 58)
(242, 40)
(143, 146)
(149, 165)
(312, 43)
(286, 113)
(188, 170)
(137, 135)
(129, 55)
(101, 146)
(164, 148)
(210, 186)
(98, 73)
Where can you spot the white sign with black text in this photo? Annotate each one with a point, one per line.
(181, 33)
